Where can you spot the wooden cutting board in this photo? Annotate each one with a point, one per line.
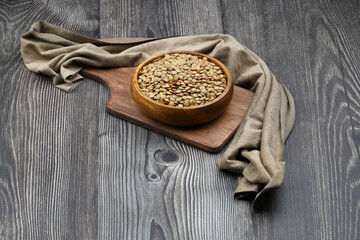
(210, 137)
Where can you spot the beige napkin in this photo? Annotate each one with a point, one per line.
(256, 152)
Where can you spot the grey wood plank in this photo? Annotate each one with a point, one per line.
(319, 197)
(346, 21)
(158, 18)
(48, 141)
(160, 188)
(346, 32)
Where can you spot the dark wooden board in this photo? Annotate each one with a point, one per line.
(210, 137)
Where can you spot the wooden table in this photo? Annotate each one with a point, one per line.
(69, 170)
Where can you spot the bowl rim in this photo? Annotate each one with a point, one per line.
(229, 83)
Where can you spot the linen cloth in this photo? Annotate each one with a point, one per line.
(255, 154)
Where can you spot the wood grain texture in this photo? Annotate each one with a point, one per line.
(48, 153)
(320, 193)
(69, 170)
(186, 200)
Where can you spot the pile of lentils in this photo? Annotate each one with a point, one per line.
(182, 80)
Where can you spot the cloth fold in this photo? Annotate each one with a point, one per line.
(255, 154)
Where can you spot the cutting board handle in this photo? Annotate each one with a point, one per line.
(106, 75)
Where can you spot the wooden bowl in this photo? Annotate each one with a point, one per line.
(182, 116)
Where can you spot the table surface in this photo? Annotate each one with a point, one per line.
(69, 170)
